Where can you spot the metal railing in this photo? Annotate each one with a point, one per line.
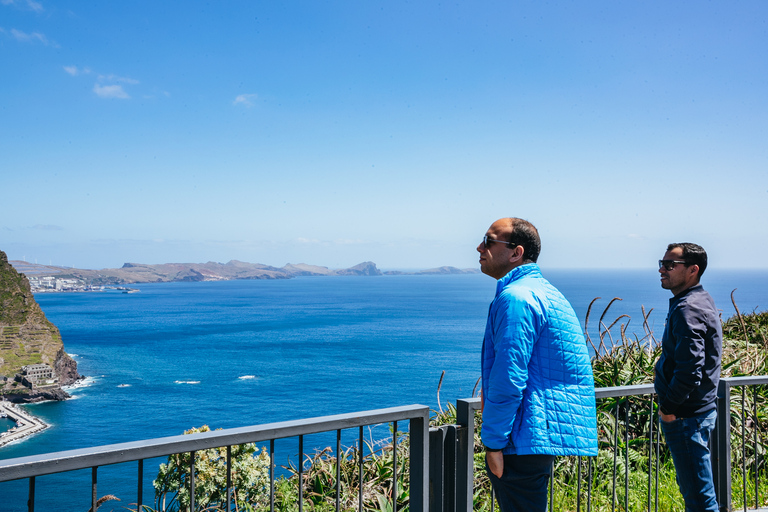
(441, 459)
(139, 451)
(459, 441)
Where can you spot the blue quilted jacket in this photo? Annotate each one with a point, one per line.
(538, 388)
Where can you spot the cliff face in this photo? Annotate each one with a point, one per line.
(27, 337)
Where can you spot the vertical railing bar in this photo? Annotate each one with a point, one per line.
(465, 416)
(94, 478)
(615, 453)
(578, 484)
(650, 452)
(658, 460)
(360, 467)
(271, 475)
(301, 471)
(229, 478)
(589, 484)
(31, 499)
(722, 447)
(551, 485)
(744, 445)
(626, 455)
(140, 499)
(338, 470)
(192, 480)
(757, 452)
(394, 466)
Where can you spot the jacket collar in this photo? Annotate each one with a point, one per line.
(685, 292)
(529, 269)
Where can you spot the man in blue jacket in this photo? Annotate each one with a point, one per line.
(688, 373)
(538, 390)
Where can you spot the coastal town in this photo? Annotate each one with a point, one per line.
(47, 284)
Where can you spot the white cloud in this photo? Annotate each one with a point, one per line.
(110, 91)
(245, 99)
(106, 86)
(118, 79)
(35, 6)
(28, 38)
(46, 227)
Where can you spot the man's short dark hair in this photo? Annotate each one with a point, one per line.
(526, 235)
(692, 255)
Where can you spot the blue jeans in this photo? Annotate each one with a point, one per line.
(688, 441)
(523, 485)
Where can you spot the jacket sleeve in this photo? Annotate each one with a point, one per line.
(516, 325)
(689, 328)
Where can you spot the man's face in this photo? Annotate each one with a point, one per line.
(495, 258)
(680, 277)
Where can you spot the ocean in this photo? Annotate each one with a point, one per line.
(236, 353)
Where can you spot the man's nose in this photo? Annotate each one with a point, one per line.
(481, 247)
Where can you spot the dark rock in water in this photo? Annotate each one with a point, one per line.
(38, 395)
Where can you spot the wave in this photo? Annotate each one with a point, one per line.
(247, 377)
(186, 382)
(82, 383)
(123, 385)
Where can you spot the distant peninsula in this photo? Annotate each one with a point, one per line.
(47, 277)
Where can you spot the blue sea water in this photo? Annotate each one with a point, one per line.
(236, 353)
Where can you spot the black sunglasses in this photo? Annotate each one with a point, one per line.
(670, 264)
(488, 241)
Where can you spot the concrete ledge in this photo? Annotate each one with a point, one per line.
(26, 424)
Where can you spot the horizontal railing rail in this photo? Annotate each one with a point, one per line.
(442, 458)
(93, 458)
(732, 423)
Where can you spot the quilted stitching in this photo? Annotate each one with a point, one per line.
(557, 414)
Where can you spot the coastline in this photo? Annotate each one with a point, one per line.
(26, 424)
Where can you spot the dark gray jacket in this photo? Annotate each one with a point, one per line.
(688, 371)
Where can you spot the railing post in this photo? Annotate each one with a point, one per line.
(419, 463)
(465, 455)
(31, 500)
(436, 463)
(449, 471)
(94, 494)
(721, 447)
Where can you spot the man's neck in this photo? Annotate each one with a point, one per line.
(679, 292)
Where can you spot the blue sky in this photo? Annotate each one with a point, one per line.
(339, 132)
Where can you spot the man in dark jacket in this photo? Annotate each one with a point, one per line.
(688, 373)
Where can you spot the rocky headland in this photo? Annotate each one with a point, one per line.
(28, 338)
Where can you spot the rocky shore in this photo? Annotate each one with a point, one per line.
(27, 340)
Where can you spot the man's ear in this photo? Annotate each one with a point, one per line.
(695, 271)
(517, 254)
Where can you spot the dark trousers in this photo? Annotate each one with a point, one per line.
(523, 486)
